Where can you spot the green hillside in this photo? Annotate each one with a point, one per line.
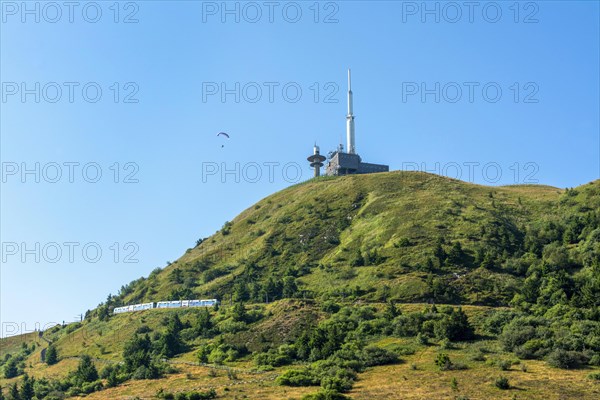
(344, 285)
(405, 236)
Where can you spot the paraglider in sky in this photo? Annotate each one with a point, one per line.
(224, 134)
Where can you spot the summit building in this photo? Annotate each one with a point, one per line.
(347, 162)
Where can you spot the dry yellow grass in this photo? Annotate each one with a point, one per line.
(400, 381)
(12, 344)
(194, 378)
(540, 381)
(39, 370)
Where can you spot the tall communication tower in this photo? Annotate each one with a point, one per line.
(350, 145)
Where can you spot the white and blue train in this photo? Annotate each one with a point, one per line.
(166, 304)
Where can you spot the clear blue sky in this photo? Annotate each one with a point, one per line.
(177, 51)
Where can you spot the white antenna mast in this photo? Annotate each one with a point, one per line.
(350, 145)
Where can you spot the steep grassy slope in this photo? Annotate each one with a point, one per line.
(314, 230)
(14, 344)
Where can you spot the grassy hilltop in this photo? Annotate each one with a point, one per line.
(375, 237)
(330, 283)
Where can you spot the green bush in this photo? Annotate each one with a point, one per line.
(444, 363)
(90, 387)
(336, 383)
(106, 371)
(516, 333)
(272, 358)
(422, 339)
(217, 356)
(442, 360)
(10, 369)
(326, 395)
(504, 365)
(566, 359)
(113, 379)
(295, 377)
(372, 356)
(141, 373)
(143, 329)
(207, 395)
(502, 383)
(51, 355)
(595, 376)
(478, 356)
(330, 306)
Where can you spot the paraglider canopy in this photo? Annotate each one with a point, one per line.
(224, 134)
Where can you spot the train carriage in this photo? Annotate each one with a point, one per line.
(166, 304)
(209, 303)
(143, 306)
(195, 303)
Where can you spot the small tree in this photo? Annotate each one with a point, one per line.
(103, 313)
(238, 312)
(358, 260)
(136, 352)
(454, 383)
(10, 369)
(51, 355)
(391, 311)
(86, 370)
(502, 383)
(14, 392)
(443, 362)
(203, 325)
(169, 343)
(112, 379)
(27, 392)
(456, 254)
(289, 286)
(566, 359)
(240, 292)
(439, 253)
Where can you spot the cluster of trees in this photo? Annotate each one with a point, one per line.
(337, 372)
(83, 380)
(14, 364)
(361, 259)
(336, 347)
(263, 292)
(23, 392)
(255, 285)
(143, 356)
(447, 323)
(563, 340)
